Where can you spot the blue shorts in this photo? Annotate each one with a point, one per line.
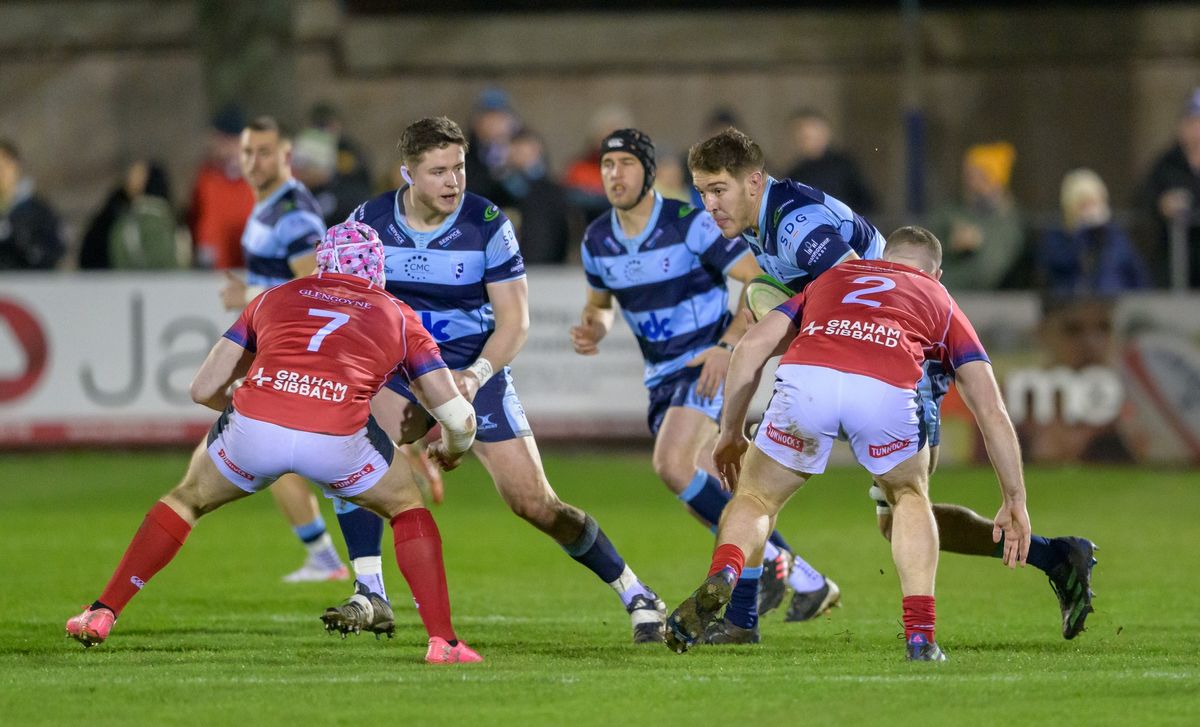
(499, 415)
(679, 389)
(932, 388)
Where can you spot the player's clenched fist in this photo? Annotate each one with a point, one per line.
(586, 336)
(438, 453)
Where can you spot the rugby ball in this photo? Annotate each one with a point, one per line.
(764, 294)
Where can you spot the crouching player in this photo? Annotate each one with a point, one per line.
(855, 343)
(314, 359)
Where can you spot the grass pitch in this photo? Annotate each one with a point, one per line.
(216, 638)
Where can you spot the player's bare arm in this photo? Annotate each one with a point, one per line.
(439, 395)
(715, 360)
(769, 337)
(594, 322)
(510, 305)
(977, 384)
(226, 363)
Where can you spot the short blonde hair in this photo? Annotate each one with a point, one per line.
(915, 236)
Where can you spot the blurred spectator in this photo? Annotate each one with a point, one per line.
(982, 235)
(350, 184)
(670, 179)
(829, 170)
(221, 199)
(314, 163)
(718, 120)
(135, 229)
(542, 213)
(29, 235)
(1173, 188)
(1091, 255)
(491, 129)
(582, 177)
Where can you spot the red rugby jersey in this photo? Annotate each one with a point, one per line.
(879, 319)
(324, 345)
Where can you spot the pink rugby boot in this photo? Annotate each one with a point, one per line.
(441, 652)
(91, 627)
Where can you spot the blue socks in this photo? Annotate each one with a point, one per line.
(310, 532)
(362, 529)
(705, 496)
(743, 604)
(1044, 553)
(595, 551)
(363, 532)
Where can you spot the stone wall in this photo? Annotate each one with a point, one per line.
(86, 85)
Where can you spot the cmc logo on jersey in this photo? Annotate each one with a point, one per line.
(417, 267)
(20, 375)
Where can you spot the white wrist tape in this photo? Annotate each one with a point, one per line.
(457, 418)
(482, 368)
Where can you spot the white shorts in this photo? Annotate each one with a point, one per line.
(814, 405)
(253, 453)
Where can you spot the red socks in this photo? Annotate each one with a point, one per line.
(153, 546)
(419, 555)
(919, 616)
(728, 556)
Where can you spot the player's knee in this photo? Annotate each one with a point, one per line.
(538, 510)
(673, 471)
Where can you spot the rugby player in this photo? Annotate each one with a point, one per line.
(666, 264)
(797, 233)
(453, 256)
(279, 242)
(855, 343)
(313, 356)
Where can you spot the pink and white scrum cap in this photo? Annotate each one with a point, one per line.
(352, 248)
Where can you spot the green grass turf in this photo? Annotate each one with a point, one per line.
(216, 638)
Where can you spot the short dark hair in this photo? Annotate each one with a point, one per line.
(729, 151)
(429, 133)
(269, 123)
(915, 236)
(9, 148)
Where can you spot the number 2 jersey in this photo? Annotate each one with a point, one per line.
(324, 344)
(879, 319)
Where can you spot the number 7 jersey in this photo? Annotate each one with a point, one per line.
(324, 345)
(879, 319)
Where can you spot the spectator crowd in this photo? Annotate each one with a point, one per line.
(989, 243)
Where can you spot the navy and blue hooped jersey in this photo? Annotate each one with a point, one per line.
(443, 274)
(669, 281)
(803, 232)
(284, 226)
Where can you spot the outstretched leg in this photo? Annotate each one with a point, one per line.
(161, 535)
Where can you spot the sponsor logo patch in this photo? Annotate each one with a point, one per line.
(367, 469)
(791, 441)
(233, 467)
(884, 450)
